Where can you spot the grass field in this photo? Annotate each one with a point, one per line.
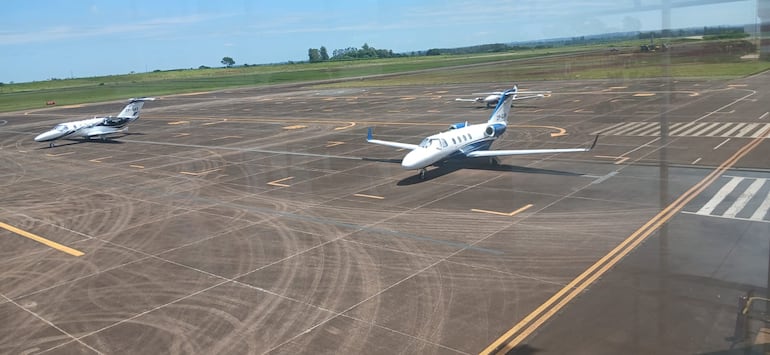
(685, 59)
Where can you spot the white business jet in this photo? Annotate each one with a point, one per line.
(493, 97)
(97, 126)
(466, 141)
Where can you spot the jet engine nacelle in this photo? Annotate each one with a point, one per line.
(494, 130)
(458, 125)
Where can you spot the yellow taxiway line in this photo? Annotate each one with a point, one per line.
(514, 336)
(41, 240)
(370, 196)
(278, 182)
(200, 172)
(60, 154)
(511, 214)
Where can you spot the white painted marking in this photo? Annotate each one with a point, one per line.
(747, 129)
(627, 128)
(696, 161)
(719, 129)
(744, 198)
(761, 211)
(693, 129)
(721, 144)
(654, 130)
(637, 131)
(680, 128)
(719, 196)
(733, 130)
(764, 115)
(708, 128)
(760, 131)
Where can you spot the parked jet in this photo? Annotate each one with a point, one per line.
(466, 141)
(97, 126)
(493, 97)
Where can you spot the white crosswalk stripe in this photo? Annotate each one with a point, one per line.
(736, 199)
(689, 129)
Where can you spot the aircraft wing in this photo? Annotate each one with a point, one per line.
(478, 99)
(517, 98)
(497, 153)
(99, 131)
(389, 143)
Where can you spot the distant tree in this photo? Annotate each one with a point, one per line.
(433, 51)
(324, 54)
(227, 61)
(314, 55)
(204, 67)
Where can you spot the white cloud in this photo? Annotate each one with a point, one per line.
(144, 28)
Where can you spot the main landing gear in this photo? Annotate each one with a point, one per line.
(51, 145)
(422, 174)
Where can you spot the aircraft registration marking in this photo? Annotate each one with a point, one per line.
(278, 182)
(58, 155)
(370, 196)
(41, 240)
(511, 214)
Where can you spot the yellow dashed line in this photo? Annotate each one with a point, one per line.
(298, 126)
(200, 173)
(41, 240)
(99, 160)
(370, 196)
(60, 154)
(278, 182)
(511, 214)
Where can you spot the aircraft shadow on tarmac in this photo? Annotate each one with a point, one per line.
(481, 164)
(111, 140)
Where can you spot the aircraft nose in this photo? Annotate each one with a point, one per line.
(413, 160)
(47, 136)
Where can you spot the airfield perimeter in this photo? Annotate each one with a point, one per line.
(259, 221)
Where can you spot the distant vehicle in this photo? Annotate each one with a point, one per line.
(466, 141)
(97, 126)
(493, 97)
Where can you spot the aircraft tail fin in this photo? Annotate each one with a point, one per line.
(500, 114)
(131, 111)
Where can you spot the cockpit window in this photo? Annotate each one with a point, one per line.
(437, 143)
(61, 128)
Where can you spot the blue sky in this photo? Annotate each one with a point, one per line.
(60, 39)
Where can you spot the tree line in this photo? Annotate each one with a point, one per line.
(316, 55)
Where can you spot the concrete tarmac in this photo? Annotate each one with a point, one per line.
(259, 220)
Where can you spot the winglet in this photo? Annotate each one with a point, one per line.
(369, 134)
(594, 143)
